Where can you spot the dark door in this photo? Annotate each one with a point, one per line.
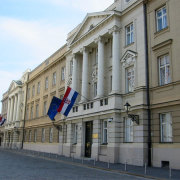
(88, 138)
(0, 141)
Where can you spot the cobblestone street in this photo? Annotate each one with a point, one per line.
(18, 166)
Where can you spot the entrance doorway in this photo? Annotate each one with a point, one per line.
(88, 138)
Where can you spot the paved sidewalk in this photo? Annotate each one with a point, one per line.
(150, 172)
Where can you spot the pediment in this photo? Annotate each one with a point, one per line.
(91, 21)
(14, 85)
(128, 58)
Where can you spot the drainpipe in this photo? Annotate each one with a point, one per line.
(147, 83)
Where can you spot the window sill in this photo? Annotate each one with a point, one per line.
(128, 45)
(165, 142)
(162, 31)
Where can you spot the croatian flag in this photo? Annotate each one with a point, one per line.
(68, 101)
(2, 120)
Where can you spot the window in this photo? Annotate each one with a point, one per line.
(30, 135)
(166, 127)
(50, 135)
(130, 79)
(38, 88)
(54, 79)
(128, 130)
(43, 135)
(71, 67)
(95, 89)
(129, 34)
(63, 73)
(37, 110)
(35, 135)
(65, 134)
(28, 93)
(33, 91)
(161, 18)
(27, 113)
(75, 133)
(164, 70)
(45, 108)
(31, 112)
(104, 132)
(46, 83)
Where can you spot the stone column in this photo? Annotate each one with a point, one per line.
(8, 113)
(75, 73)
(11, 109)
(100, 83)
(18, 107)
(84, 91)
(15, 108)
(116, 51)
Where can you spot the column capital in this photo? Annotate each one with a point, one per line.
(100, 39)
(115, 28)
(85, 49)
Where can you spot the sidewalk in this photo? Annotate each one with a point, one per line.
(150, 172)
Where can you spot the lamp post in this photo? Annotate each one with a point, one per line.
(133, 117)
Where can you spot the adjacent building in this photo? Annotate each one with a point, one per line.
(163, 37)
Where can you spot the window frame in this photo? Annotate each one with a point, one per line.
(51, 135)
(54, 79)
(45, 108)
(162, 18)
(46, 83)
(128, 84)
(130, 33)
(104, 132)
(38, 87)
(128, 130)
(62, 73)
(43, 135)
(162, 138)
(37, 110)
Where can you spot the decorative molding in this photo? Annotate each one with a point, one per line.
(128, 58)
(162, 44)
(101, 38)
(115, 28)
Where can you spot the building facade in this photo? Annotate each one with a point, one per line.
(107, 53)
(14, 108)
(164, 42)
(45, 81)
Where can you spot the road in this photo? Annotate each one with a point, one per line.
(16, 166)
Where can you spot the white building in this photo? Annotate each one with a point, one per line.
(106, 65)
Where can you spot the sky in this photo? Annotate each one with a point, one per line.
(32, 30)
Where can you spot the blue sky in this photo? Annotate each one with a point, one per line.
(32, 30)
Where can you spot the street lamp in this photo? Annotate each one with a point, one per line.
(133, 117)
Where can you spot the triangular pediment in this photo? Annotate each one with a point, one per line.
(14, 85)
(129, 57)
(90, 22)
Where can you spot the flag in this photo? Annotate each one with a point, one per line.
(68, 101)
(2, 120)
(55, 103)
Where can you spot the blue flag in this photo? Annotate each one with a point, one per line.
(53, 107)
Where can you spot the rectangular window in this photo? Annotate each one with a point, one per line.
(129, 34)
(45, 108)
(43, 135)
(104, 132)
(65, 134)
(71, 67)
(54, 79)
(63, 73)
(75, 133)
(95, 89)
(50, 135)
(128, 130)
(35, 135)
(33, 90)
(130, 79)
(164, 70)
(38, 88)
(161, 18)
(31, 112)
(37, 110)
(46, 83)
(166, 127)
(27, 113)
(28, 93)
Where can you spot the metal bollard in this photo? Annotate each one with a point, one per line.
(170, 173)
(125, 166)
(108, 164)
